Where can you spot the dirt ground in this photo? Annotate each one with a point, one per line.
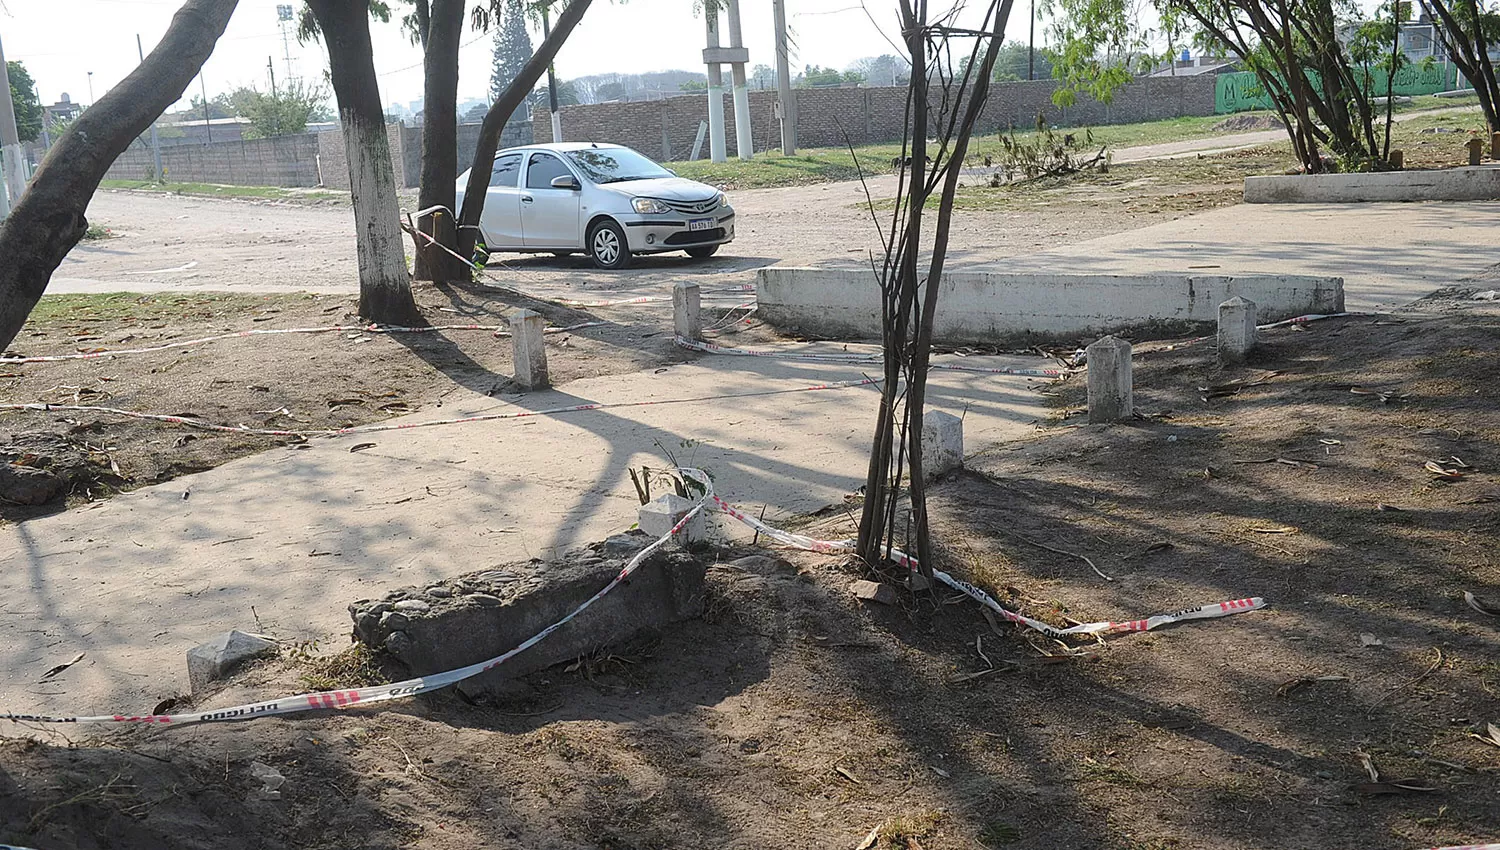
(263, 381)
(793, 716)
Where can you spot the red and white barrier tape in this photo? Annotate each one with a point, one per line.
(713, 348)
(499, 331)
(1201, 612)
(379, 693)
(425, 684)
(404, 426)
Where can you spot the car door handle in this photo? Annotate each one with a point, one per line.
(526, 199)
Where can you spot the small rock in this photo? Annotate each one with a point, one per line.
(214, 660)
(484, 599)
(439, 592)
(412, 606)
(760, 565)
(624, 545)
(916, 582)
(25, 485)
(393, 620)
(873, 591)
(398, 644)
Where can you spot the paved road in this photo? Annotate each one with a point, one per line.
(136, 581)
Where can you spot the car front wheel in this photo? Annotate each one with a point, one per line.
(702, 252)
(607, 246)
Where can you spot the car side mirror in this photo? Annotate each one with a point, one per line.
(565, 181)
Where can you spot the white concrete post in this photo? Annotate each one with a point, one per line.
(1109, 381)
(715, 90)
(657, 517)
(687, 311)
(10, 148)
(530, 354)
(1237, 333)
(744, 146)
(942, 444)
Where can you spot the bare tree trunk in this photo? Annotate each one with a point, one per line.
(500, 111)
(384, 284)
(922, 349)
(441, 31)
(49, 219)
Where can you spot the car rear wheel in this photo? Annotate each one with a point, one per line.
(701, 252)
(607, 246)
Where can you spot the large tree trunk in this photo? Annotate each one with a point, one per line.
(48, 220)
(500, 112)
(444, 25)
(384, 284)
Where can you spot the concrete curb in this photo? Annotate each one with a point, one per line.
(1468, 183)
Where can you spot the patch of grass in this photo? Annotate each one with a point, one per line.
(997, 833)
(216, 190)
(355, 667)
(823, 165)
(133, 307)
(97, 232)
(899, 832)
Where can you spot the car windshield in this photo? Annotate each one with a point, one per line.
(616, 165)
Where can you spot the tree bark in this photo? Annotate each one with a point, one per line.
(443, 26)
(384, 284)
(500, 112)
(49, 218)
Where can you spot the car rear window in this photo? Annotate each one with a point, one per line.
(507, 171)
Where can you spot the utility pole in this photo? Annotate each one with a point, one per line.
(744, 145)
(155, 142)
(1031, 46)
(208, 127)
(551, 82)
(275, 101)
(715, 84)
(788, 107)
(10, 146)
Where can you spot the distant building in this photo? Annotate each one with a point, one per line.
(201, 132)
(1188, 65)
(62, 112)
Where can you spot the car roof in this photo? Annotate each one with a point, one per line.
(560, 147)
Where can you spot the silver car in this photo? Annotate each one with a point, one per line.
(606, 200)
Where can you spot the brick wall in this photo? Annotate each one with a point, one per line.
(514, 134)
(336, 164)
(278, 161)
(665, 129)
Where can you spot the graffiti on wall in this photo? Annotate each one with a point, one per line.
(1240, 91)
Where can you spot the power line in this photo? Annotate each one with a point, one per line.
(469, 43)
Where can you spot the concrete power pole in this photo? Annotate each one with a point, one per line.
(711, 57)
(784, 99)
(744, 144)
(551, 82)
(155, 142)
(10, 146)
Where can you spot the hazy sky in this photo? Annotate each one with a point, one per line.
(62, 40)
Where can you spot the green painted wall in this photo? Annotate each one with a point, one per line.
(1241, 91)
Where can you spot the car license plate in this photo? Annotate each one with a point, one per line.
(701, 224)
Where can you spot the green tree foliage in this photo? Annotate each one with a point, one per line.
(813, 76)
(1470, 30)
(1296, 48)
(285, 113)
(1014, 63)
(512, 48)
(28, 106)
(885, 70)
(693, 85)
(220, 106)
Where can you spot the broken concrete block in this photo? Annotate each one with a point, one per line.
(942, 444)
(529, 350)
(24, 485)
(1237, 331)
(485, 618)
(658, 516)
(214, 660)
(687, 311)
(873, 591)
(1110, 381)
